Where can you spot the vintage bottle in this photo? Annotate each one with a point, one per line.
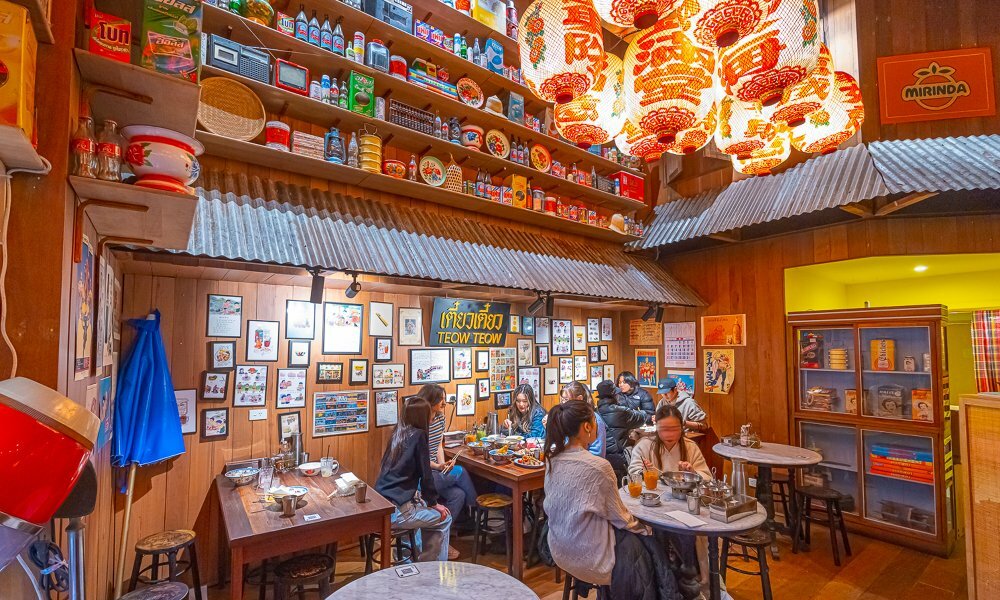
(235, 6)
(333, 147)
(313, 31)
(437, 124)
(593, 177)
(443, 132)
(301, 24)
(342, 100)
(109, 152)
(325, 86)
(338, 39)
(352, 151)
(412, 171)
(457, 47)
(511, 19)
(475, 52)
(326, 34)
(83, 149)
(334, 92)
(465, 49)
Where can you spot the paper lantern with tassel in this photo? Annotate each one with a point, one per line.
(641, 14)
(695, 138)
(783, 52)
(840, 117)
(562, 48)
(742, 128)
(597, 116)
(634, 142)
(721, 23)
(806, 96)
(765, 160)
(668, 81)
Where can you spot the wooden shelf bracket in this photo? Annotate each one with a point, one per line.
(81, 209)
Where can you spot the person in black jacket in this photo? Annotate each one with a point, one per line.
(406, 468)
(620, 420)
(634, 396)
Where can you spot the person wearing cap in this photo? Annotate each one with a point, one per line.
(694, 417)
(620, 420)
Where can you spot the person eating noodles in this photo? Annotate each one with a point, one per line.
(526, 416)
(668, 450)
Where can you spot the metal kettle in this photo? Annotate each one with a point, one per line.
(492, 423)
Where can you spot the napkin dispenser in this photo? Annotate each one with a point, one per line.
(732, 509)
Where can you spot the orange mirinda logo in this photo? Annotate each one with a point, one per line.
(935, 87)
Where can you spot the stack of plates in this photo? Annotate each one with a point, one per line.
(837, 358)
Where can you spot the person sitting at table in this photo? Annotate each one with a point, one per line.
(694, 418)
(575, 390)
(634, 396)
(591, 534)
(526, 416)
(620, 420)
(668, 450)
(406, 468)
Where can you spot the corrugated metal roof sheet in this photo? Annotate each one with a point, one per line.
(308, 227)
(939, 164)
(676, 220)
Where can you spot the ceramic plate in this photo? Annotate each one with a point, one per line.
(432, 170)
(540, 158)
(519, 462)
(497, 143)
(469, 92)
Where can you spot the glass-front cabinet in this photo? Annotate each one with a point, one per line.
(897, 372)
(826, 367)
(838, 445)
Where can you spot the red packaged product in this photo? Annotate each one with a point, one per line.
(631, 185)
(110, 36)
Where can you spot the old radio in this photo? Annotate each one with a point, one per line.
(397, 13)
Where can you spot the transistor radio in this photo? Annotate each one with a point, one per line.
(236, 58)
(397, 13)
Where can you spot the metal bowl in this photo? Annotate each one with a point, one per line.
(479, 448)
(501, 459)
(649, 499)
(242, 476)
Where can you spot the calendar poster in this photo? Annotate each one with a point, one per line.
(680, 349)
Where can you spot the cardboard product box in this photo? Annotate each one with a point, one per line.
(171, 37)
(506, 195)
(361, 94)
(492, 13)
(515, 107)
(548, 122)
(494, 55)
(109, 36)
(922, 405)
(883, 355)
(518, 184)
(630, 185)
(17, 94)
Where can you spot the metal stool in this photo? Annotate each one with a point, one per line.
(481, 515)
(300, 571)
(831, 498)
(405, 553)
(168, 590)
(758, 540)
(169, 543)
(780, 485)
(574, 585)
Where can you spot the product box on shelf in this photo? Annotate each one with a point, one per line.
(494, 55)
(109, 36)
(515, 107)
(630, 185)
(518, 184)
(532, 123)
(307, 144)
(361, 92)
(883, 355)
(284, 23)
(548, 122)
(17, 94)
(171, 37)
(922, 405)
(492, 13)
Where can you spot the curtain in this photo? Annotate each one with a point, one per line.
(986, 349)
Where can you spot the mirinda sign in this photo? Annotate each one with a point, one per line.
(936, 85)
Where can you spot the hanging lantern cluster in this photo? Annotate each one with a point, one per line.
(839, 117)
(633, 141)
(562, 48)
(598, 115)
(640, 14)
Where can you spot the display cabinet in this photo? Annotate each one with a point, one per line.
(869, 391)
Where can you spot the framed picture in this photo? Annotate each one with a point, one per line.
(387, 376)
(543, 333)
(501, 400)
(647, 362)
(686, 381)
(215, 387)
(430, 366)
(551, 381)
(483, 388)
(461, 359)
(187, 409)
(411, 327)
(543, 354)
(724, 330)
(337, 413)
(214, 423)
(291, 388)
(383, 349)
(580, 369)
(262, 341)
(359, 371)
(593, 330)
(289, 423)
(503, 369)
(579, 338)
(386, 408)
(342, 328)
(300, 320)
(250, 387)
(596, 375)
(298, 353)
(595, 353)
(482, 360)
(562, 337)
(566, 369)
(524, 352)
(609, 372)
(528, 326)
(514, 325)
(225, 316)
(606, 329)
(465, 399)
(531, 376)
(604, 353)
(380, 321)
(329, 372)
(223, 355)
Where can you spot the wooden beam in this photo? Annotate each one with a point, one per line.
(863, 209)
(902, 203)
(732, 236)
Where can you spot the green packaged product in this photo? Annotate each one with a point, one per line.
(361, 94)
(171, 37)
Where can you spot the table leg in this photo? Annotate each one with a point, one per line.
(765, 495)
(517, 560)
(386, 560)
(714, 581)
(236, 574)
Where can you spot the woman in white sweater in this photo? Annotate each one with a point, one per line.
(668, 450)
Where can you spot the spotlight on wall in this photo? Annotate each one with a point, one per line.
(355, 287)
(649, 312)
(318, 285)
(550, 305)
(659, 313)
(537, 304)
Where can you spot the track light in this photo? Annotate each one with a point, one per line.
(355, 287)
(649, 312)
(318, 285)
(659, 313)
(537, 304)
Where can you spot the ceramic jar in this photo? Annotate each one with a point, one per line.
(161, 158)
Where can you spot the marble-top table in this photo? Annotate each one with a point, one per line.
(437, 580)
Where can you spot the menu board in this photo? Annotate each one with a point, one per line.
(644, 333)
(337, 413)
(680, 349)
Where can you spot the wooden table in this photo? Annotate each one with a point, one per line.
(437, 580)
(518, 479)
(256, 530)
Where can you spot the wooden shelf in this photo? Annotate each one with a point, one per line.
(263, 156)
(924, 373)
(16, 151)
(39, 20)
(320, 61)
(851, 371)
(133, 95)
(307, 109)
(449, 20)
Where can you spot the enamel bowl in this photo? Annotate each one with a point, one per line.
(472, 136)
(161, 158)
(394, 168)
(310, 468)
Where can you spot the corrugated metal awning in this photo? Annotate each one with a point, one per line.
(939, 164)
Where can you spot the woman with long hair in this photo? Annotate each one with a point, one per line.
(526, 416)
(668, 449)
(452, 481)
(575, 390)
(405, 470)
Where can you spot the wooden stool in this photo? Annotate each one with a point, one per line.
(603, 591)
(481, 515)
(404, 553)
(834, 517)
(169, 543)
(168, 590)
(300, 571)
(780, 485)
(758, 540)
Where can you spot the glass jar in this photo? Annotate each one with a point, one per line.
(259, 11)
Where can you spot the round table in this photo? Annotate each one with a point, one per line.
(437, 580)
(656, 517)
(766, 457)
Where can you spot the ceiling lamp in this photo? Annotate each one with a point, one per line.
(634, 142)
(721, 23)
(598, 115)
(668, 81)
(742, 128)
(806, 96)
(562, 48)
(783, 52)
(840, 117)
(764, 161)
(641, 14)
(694, 138)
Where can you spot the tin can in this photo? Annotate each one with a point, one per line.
(909, 364)
(592, 217)
(537, 200)
(380, 108)
(397, 66)
(927, 362)
(550, 206)
(276, 135)
(574, 213)
(359, 46)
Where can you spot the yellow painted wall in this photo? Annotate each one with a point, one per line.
(961, 291)
(807, 289)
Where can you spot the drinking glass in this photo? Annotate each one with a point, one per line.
(634, 484)
(266, 475)
(650, 477)
(326, 466)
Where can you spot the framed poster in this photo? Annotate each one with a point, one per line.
(262, 341)
(501, 400)
(298, 353)
(289, 423)
(566, 369)
(524, 352)
(215, 387)
(300, 320)
(596, 375)
(342, 328)
(503, 366)
(187, 409)
(644, 333)
(388, 376)
(543, 332)
(514, 324)
(604, 353)
(684, 379)
(580, 369)
(530, 376)
(461, 359)
(411, 327)
(386, 408)
(105, 304)
(579, 338)
(291, 388)
(562, 337)
(551, 381)
(337, 413)
(606, 329)
(106, 409)
(647, 366)
(482, 361)
(214, 423)
(483, 388)
(528, 326)
(223, 355)
(383, 349)
(720, 370)
(225, 316)
(595, 353)
(593, 330)
(543, 354)
(724, 330)
(465, 399)
(679, 348)
(380, 321)
(359, 371)
(250, 387)
(329, 372)
(430, 366)
(609, 372)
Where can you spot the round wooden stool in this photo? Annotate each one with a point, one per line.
(831, 498)
(296, 573)
(406, 550)
(168, 590)
(758, 540)
(485, 503)
(168, 544)
(575, 586)
(780, 483)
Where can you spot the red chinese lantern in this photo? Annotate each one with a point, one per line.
(783, 52)
(694, 138)
(721, 23)
(562, 48)
(634, 142)
(840, 117)
(742, 128)
(806, 96)
(598, 115)
(641, 14)
(668, 81)
(765, 160)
